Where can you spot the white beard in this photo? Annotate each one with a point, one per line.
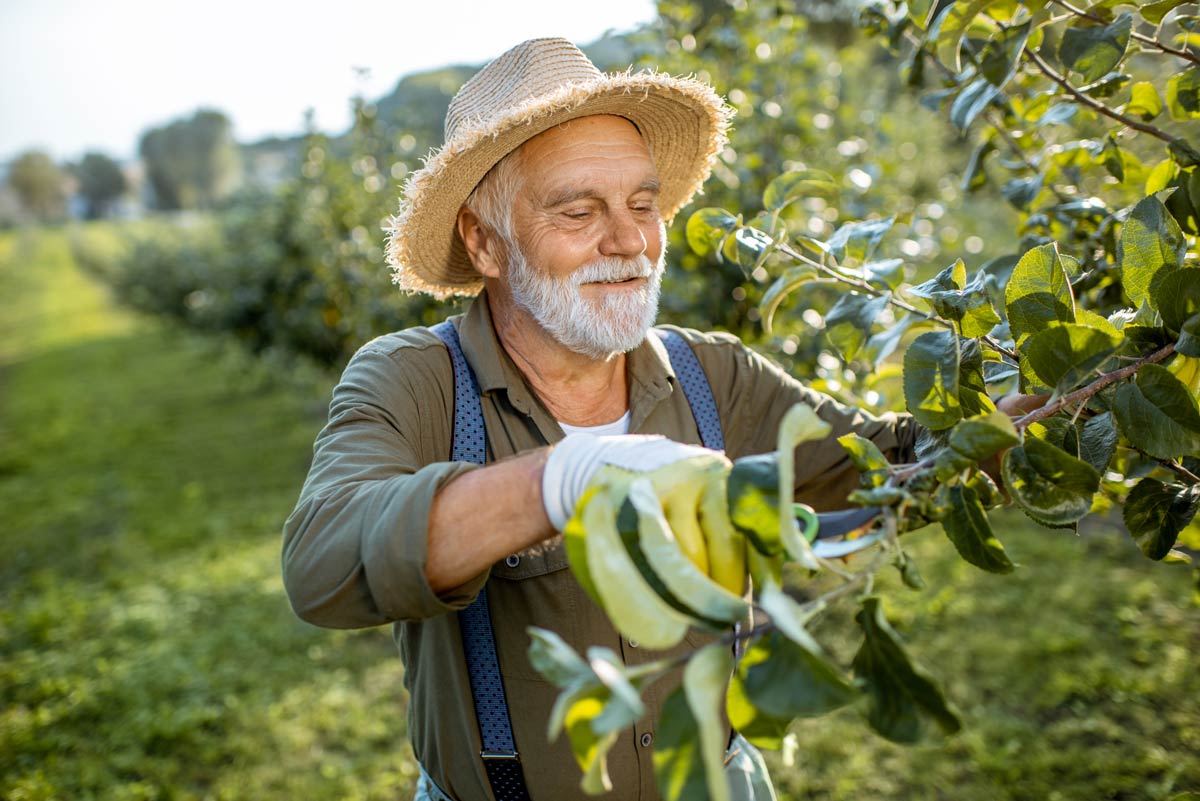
(615, 323)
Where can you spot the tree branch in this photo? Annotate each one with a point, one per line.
(861, 285)
(1095, 105)
(1187, 55)
(1084, 394)
(990, 118)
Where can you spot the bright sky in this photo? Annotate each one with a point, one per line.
(84, 75)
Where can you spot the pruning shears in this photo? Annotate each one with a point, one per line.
(831, 532)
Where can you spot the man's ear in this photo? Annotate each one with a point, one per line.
(484, 247)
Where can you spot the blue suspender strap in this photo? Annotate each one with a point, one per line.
(499, 753)
(695, 387)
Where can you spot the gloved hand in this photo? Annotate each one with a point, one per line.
(647, 532)
(574, 461)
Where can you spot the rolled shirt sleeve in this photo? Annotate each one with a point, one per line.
(355, 546)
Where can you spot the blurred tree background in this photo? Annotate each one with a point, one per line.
(164, 377)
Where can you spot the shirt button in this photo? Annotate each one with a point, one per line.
(633, 643)
(646, 739)
(512, 560)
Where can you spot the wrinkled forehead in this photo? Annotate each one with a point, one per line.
(603, 147)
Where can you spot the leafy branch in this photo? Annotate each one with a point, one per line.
(1153, 42)
(1084, 394)
(861, 285)
(1083, 99)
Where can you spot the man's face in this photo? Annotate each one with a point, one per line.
(589, 235)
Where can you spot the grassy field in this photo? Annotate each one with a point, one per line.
(147, 650)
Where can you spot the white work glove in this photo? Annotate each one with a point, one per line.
(574, 461)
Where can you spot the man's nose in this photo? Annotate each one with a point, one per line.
(624, 236)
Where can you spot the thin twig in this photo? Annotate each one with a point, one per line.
(1140, 37)
(1095, 105)
(862, 285)
(1003, 351)
(1173, 466)
(1083, 394)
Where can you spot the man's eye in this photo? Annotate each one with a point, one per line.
(577, 214)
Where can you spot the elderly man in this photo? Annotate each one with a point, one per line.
(548, 201)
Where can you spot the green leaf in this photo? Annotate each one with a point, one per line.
(1183, 95)
(867, 458)
(784, 285)
(797, 184)
(858, 240)
(1064, 354)
(967, 527)
(951, 25)
(851, 321)
(1189, 337)
(759, 726)
(972, 389)
(624, 706)
(1050, 485)
(1176, 295)
(558, 662)
(1095, 50)
(975, 176)
(887, 273)
(900, 693)
(1158, 414)
(1038, 292)
(952, 298)
(984, 436)
(635, 609)
(1021, 192)
(971, 101)
(883, 343)
(795, 681)
(1150, 239)
(753, 492)
(704, 681)
(948, 280)
(678, 764)
(590, 749)
(1114, 161)
(1155, 513)
(1107, 86)
(1144, 101)
(931, 373)
(1002, 53)
(1154, 12)
(707, 227)
(1098, 441)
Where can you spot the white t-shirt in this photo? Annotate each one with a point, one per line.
(618, 426)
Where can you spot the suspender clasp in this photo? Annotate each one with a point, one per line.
(486, 755)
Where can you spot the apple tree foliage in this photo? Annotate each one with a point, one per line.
(1083, 118)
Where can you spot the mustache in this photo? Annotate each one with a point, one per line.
(613, 269)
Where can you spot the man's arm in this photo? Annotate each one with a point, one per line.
(355, 547)
(504, 499)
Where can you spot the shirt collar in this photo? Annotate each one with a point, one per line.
(649, 368)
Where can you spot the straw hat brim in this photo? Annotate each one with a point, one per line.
(683, 120)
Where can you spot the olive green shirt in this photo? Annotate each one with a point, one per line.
(355, 546)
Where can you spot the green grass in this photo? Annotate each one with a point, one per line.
(147, 650)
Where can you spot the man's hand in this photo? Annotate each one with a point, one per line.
(574, 462)
(686, 483)
(1017, 406)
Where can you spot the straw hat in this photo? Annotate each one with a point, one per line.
(529, 89)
